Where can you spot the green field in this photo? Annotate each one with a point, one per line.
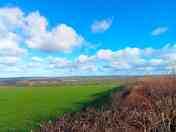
(23, 108)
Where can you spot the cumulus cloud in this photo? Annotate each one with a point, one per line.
(58, 62)
(10, 23)
(104, 54)
(9, 46)
(155, 62)
(138, 60)
(10, 19)
(120, 65)
(60, 38)
(16, 28)
(126, 61)
(81, 64)
(101, 25)
(122, 61)
(84, 59)
(159, 30)
(20, 31)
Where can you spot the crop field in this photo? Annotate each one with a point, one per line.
(23, 108)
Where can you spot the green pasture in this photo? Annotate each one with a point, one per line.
(23, 108)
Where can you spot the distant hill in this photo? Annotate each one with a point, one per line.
(55, 80)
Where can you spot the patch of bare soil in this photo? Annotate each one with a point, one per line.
(148, 105)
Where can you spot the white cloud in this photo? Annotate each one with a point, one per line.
(122, 61)
(60, 38)
(89, 68)
(155, 62)
(10, 47)
(9, 61)
(32, 29)
(130, 54)
(120, 65)
(37, 59)
(101, 25)
(58, 62)
(33, 65)
(137, 60)
(159, 30)
(104, 54)
(10, 23)
(84, 59)
(10, 19)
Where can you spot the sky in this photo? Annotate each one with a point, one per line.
(85, 38)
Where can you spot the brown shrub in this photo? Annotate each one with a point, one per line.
(148, 105)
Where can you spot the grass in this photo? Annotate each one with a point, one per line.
(23, 108)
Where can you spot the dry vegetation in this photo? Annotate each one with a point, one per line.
(148, 105)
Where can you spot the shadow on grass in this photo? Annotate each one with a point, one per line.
(99, 101)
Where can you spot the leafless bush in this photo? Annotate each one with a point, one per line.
(149, 105)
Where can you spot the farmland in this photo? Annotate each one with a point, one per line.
(25, 107)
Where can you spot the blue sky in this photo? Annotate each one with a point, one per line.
(95, 37)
